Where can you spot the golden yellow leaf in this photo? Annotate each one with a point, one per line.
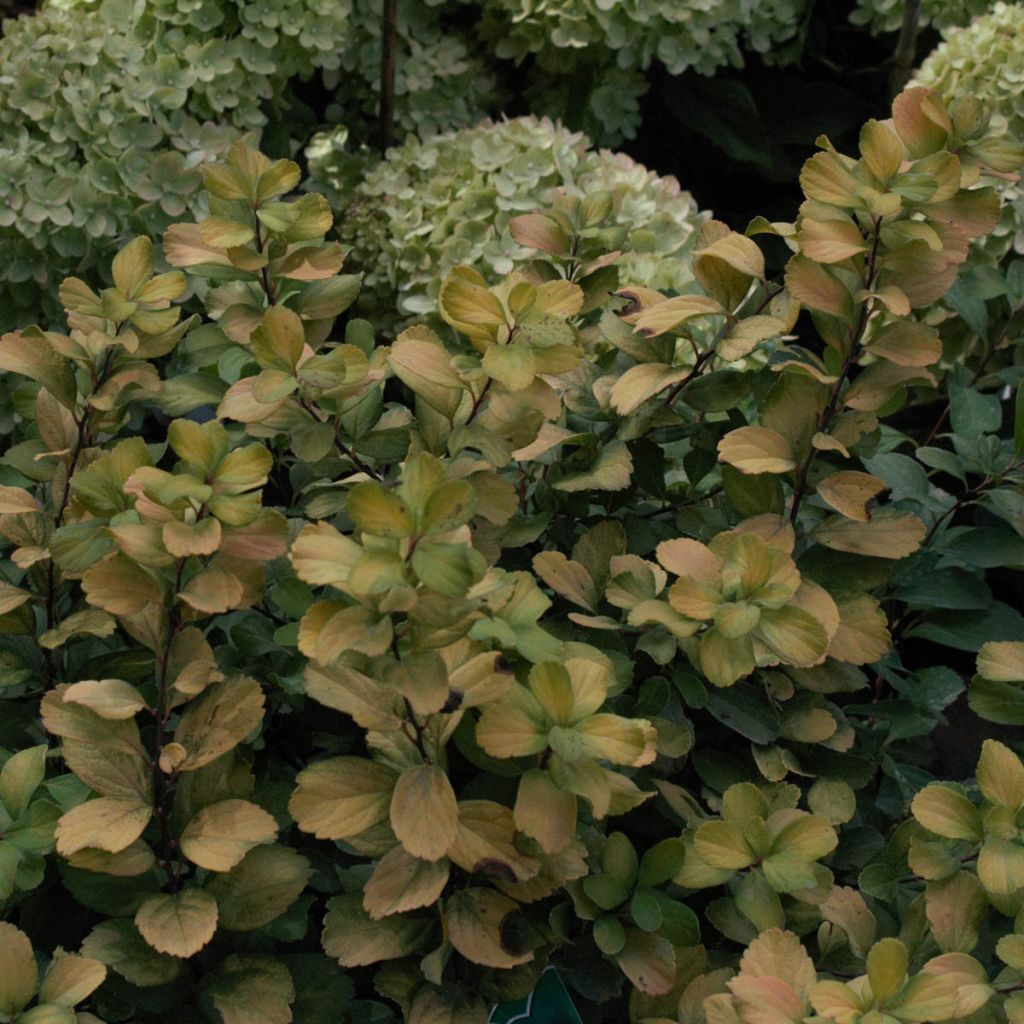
(726, 262)
(475, 918)
(342, 796)
(14, 500)
(485, 842)
(566, 577)
(120, 587)
(947, 812)
(830, 241)
(544, 812)
(133, 860)
(421, 362)
(18, 971)
(185, 539)
(863, 633)
(881, 149)
(1000, 775)
(849, 491)
(669, 314)
(887, 968)
(70, 979)
(219, 719)
(424, 812)
(888, 534)
(379, 512)
(814, 287)
(213, 591)
(178, 923)
(643, 381)
(746, 335)
(221, 834)
(1002, 661)
(649, 961)
(403, 882)
(756, 450)
(108, 823)
(907, 343)
(109, 698)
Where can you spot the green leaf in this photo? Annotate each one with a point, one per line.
(745, 710)
(645, 910)
(609, 935)
(355, 940)
(248, 988)
(606, 891)
(119, 945)
(20, 777)
(322, 300)
(972, 412)
(260, 888)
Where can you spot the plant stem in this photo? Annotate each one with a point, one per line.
(479, 401)
(703, 358)
(163, 784)
(905, 57)
(51, 662)
(856, 340)
(311, 410)
(268, 288)
(388, 46)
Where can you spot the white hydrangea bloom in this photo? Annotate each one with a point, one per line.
(986, 59)
(431, 205)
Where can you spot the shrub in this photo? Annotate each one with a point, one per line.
(577, 631)
(432, 205)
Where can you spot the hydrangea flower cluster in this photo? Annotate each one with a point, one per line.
(611, 42)
(887, 15)
(105, 114)
(986, 59)
(432, 205)
(703, 36)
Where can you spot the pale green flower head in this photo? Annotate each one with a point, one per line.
(433, 205)
(985, 60)
(106, 110)
(887, 15)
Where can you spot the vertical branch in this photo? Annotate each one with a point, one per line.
(856, 334)
(388, 45)
(162, 783)
(53, 662)
(905, 57)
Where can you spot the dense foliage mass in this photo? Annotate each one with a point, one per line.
(587, 622)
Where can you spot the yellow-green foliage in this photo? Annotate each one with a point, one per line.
(350, 680)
